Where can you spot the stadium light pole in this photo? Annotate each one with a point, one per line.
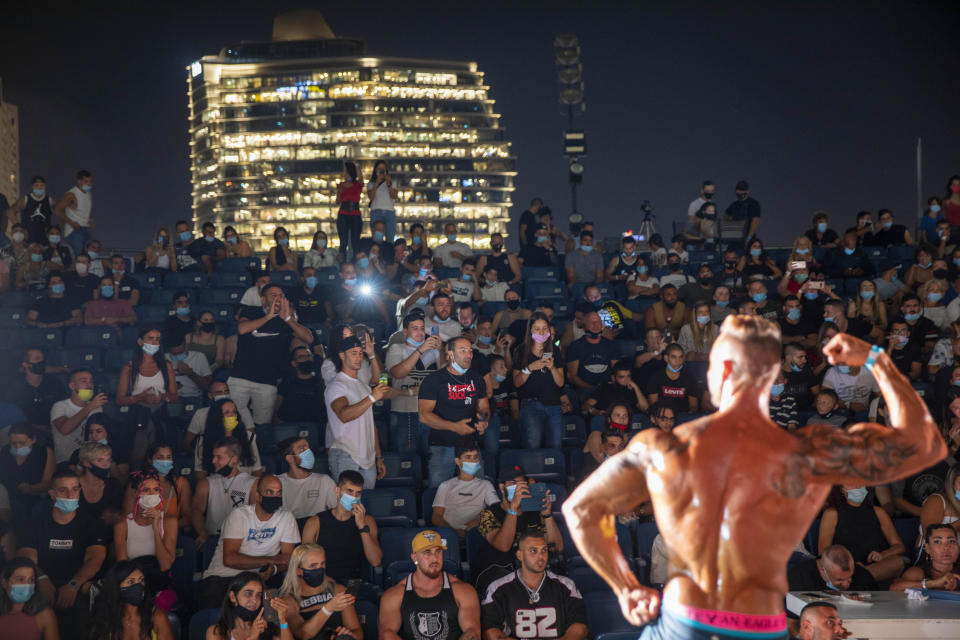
(566, 49)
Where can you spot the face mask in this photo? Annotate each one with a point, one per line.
(793, 314)
(471, 468)
(54, 239)
(106, 291)
(935, 208)
(58, 289)
(307, 459)
(513, 305)
(163, 467)
(104, 441)
(674, 266)
(37, 368)
(363, 263)
(230, 422)
(705, 280)
(485, 339)
(82, 270)
(844, 369)
(848, 251)
(452, 238)
(417, 240)
(511, 491)
(759, 297)
(347, 501)
(901, 341)
(677, 370)
(246, 614)
(801, 277)
(36, 257)
(722, 303)
(934, 297)
(822, 227)
(708, 196)
(499, 377)
(858, 495)
(956, 494)
(887, 225)
(730, 265)
(540, 338)
(219, 398)
(283, 242)
(776, 390)
(151, 500)
(587, 248)
(183, 311)
(321, 243)
(118, 274)
(350, 282)
(209, 238)
(811, 295)
(133, 595)
(178, 357)
(208, 327)
(150, 349)
(458, 368)
(414, 343)
(311, 282)
(225, 470)
(542, 239)
(742, 196)
(866, 295)
(21, 592)
(466, 277)
(314, 577)
(20, 452)
(185, 236)
(641, 269)
(270, 504)
(755, 252)
(911, 317)
(702, 320)
(17, 237)
(591, 334)
(85, 394)
(305, 367)
(99, 472)
(67, 505)
(831, 586)
(440, 320)
(795, 368)
(496, 248)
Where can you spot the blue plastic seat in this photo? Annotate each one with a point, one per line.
(12, 317)
(627, 349)
(369, 616)
(574, 431)
(492, 308)
(558, 493)
(321, 331)
(153, 315)
(426, 505)
(603, 613)
(164, 297)
(184, 280)
(115, 359)
(184, 562)
(227, 280)
(545, 465)
(103, 337)
(49, 338)
(150, 280)
(286, 279)
(328, 275)
(221, 296)
(391, 507)
(77, 358)
(202, 619)
(222, 312)
(587, 580)
(403, 470)
(908, 529)
(239, 265)
(537, 290)
(209, 548)
(540, 273)
(309, 430)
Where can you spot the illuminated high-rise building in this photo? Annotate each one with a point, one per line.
(272, 123)
(9, 151)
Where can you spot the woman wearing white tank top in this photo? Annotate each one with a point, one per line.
(147, 532)
(942, 508)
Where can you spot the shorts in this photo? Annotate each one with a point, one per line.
(704, 624)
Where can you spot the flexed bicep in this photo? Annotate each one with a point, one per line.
(866, 454)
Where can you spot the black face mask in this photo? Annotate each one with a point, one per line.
(708, 196)
(99, 472)
(314, 577)
(940, 274)
(513, 305)
(496, 248)
(730, 265)
(270, 504)
(133, 594)
(208, 327)
(305, 367)
(706, 280)
(225, 470)
(38, 367)
(246, 614)
(592, 334)
(675, 267)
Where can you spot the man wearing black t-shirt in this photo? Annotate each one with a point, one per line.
(673, 386)
(801, 381)
(263, 345)
(620, 389)
(835, 569)
(923, 331)
(55, 309)
(453, 403)
(81, 284)
(903, 351)
(532, 602)
(528, 222)
(35, 392)
(794, 329)
(357, 300)
(590, 359)
(126, 285)
(69, 549)
(300, 395)
(310, 300)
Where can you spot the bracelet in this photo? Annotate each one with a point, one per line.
(875, 351)
(372, 399)
(923, 583)
(287, 319)
(525, 371)
(512, 512)
(283, 626)
(326, 611)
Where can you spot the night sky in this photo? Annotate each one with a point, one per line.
(817, 105)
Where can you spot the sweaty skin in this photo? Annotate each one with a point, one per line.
(733, 493)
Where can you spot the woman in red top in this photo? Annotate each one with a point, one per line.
(348, 219)
(951, 202)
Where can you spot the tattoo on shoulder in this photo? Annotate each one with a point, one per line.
(830, 451)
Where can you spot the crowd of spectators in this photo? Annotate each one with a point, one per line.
(268, 424)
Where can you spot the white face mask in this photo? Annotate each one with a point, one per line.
(82, 268)
(150, 500)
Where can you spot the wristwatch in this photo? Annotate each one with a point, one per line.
(365, 529)
(73, 583)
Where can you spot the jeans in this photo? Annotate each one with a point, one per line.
(260, 397)
(339, 461)
(540, 424)
(441, 466)
(490, 440)
(389, 218)
(78, 239)
(407, 433)
(348, 230)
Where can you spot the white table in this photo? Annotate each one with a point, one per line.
(891, 615)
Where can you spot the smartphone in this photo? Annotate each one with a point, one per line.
(353, 586)
(269, 613)
(796, 266)
(816, 285)
(547, 356)
(534, 503)
(434, 330)
(384, 378)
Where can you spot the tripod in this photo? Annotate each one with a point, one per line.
(646, 231)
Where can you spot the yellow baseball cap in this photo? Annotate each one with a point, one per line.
(427, 539)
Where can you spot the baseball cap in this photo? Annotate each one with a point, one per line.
(427, 539)
(508, 474)
(351, 342)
